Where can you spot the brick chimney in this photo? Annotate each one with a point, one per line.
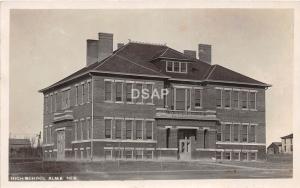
(105, 45)
(190, 53)
(204, 53)
(97, 50)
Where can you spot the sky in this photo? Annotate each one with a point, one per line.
(48, 45)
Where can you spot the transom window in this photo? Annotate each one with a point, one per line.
(176, 66)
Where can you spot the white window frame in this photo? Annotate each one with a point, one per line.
(180, 64)
(122, 91)
(238, 98)
(82, 93)
(142, 120)
(81, 128)
(221, 89)
(135, 101)
(132, 83)
(152, 88)
(201, 95)
(227, 89)
(167, 62)
(238, 125)
(255, 103)
(132, 121)
(111, 90)
(152, 125)
(115, 124)
(111, 130)
(76, 94)
(88, 83)
(75, 130)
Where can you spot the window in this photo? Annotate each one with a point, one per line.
(76, 94)
(243, 95)
(219, 98)
(149, 130)
(139, 129)
(55, 102)
(252, 100)
(149, 88)
(88, 133)
(218, 155)
(148, 154)
(180, 99)
(50, 103)
(46, 104)
(108, 90)
(46, 135)
(88, 153)
(219, 133)
(227, 133)
(227, 98)
(128, 154)
(119, 91)
(139, 154)
(235, 155)
(235, 132)
(66, 99)
(50, 135)
(108, 128)
(108, 154)
(139, 87)
(81, 129)
(82, 94)
(244, 133)
(129, 92)
(176, 66)
(235, 99)
(198, 96)
(88, 91)
(118, 128)
(243, 156)
(75, 130)
(252, 133)
(183, 67)
(227, 155)
(252, 156)
(169, 66)
(78, 130)
(129, 129)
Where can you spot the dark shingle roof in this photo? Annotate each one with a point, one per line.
(138, 59)
(275, 144)
(220, 73)
(287, 136)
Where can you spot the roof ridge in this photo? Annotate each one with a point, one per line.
(137, 64)
(148, 43)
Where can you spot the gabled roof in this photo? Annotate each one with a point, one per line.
(287, 136)
(138, 59)
(277, 144)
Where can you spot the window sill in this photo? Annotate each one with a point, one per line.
(119, 102)
(108, 101)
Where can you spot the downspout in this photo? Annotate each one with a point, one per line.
(92, 139)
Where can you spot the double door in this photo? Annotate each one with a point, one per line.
(185, 149)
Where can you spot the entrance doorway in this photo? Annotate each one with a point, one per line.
(185, 149)
(60, 145)
(185, 137)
